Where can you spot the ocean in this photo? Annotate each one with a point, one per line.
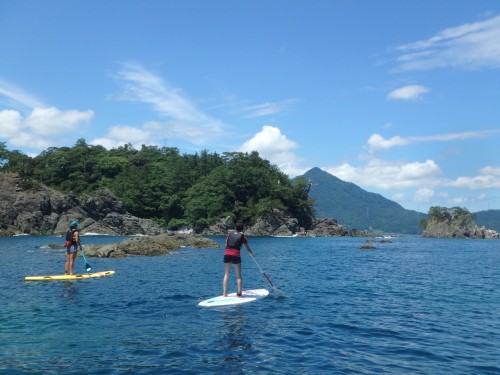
(411, 306)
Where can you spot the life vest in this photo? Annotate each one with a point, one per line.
(71, 236)
(234, 240)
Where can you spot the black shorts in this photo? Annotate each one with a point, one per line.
(232, 259)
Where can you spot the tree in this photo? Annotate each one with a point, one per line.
(161, 184)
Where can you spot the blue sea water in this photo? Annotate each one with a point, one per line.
(412, 306)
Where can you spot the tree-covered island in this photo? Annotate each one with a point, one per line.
(455, 222)
(159, 183)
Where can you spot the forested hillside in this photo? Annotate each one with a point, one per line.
(489, 219)
(162, 184)
(353, 206)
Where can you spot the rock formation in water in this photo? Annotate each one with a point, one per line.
(278, 223)
(454, 222)
(162, 244)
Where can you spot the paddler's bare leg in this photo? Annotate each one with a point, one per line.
(237, 268)
(227, 270)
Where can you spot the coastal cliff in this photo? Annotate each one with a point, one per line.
(43, 211)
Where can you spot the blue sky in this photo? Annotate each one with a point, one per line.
(398, 97)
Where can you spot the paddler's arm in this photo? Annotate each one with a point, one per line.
(78, 242)
(248, 249)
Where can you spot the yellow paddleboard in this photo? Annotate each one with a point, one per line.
(69, 277)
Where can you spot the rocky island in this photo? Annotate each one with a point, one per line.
(454, 222)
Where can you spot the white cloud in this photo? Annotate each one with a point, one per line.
(377, 143)
(185, 121)
(266, 109)
(476, 182)
(52, 121)
(410, 92)
(274, 146)
(11, 123)
(17, 95)
(120, 135)
(491, 171)
(35, 130)
(472, 45)
(388, 174)
(461, 200)
(24, 139)
(423, 195)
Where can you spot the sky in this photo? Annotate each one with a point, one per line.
(400, 97)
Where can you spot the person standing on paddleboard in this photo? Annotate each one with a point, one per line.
(72, 245)
(235, 239)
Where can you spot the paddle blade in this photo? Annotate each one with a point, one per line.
(278, 292)
(87, 267)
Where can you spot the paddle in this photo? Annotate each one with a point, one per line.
(278, 292)
(88, 268)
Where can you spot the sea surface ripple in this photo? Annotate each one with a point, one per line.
(410, 306)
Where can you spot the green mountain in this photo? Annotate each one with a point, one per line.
(489, 219)
(357, 208)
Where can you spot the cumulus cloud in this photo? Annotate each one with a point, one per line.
(410, 92)
(184, 120)
(377, 143)
(476, 182)
(388, 174)
(426, 176)
(489, 170)
(461, 199)
(274, 146)
(52, 121)
(37, 126)
(11, 123)
(120, 135)
(27, 140)
(35, 130)
(472, 45)
(423, 195)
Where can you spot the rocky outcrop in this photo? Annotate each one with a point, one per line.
(275, 223)
(455, 226)
(150, 245)
(280, 224)
(43, 211)
(330, 228)
(445, 230)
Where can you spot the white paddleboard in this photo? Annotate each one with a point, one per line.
(233, 299)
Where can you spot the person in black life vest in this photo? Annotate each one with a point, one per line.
(235, 239)
(72, 245)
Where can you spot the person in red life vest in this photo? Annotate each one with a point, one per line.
(72, 245)
(235, 239)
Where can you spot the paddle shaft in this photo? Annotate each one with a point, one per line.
(278, 292)
(87, 265)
